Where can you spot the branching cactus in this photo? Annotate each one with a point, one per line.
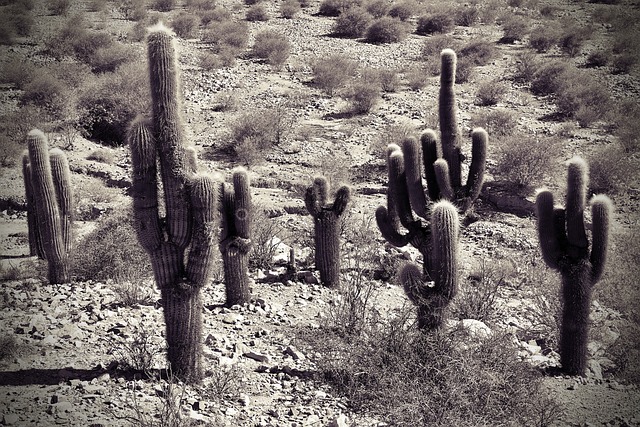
(444, 175)
(235, 238)
(49, 205)
(565, 248)
(327, 219)
(190, 208)
(434, 232)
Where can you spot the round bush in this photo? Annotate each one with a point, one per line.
(257, 12)
(403, 10)
(289, 8)
(377, 8)
(184, 24)
(435, 23)
(386, 30)
(336, 7)
(272, 46)
(352, 23)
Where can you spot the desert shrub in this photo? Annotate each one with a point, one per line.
(164, 5)
(386, 30)
(266, 234)
(213, 61)
(59, 7)
(200, 5)
(441, 22)
(10, 150)
(353, 22)
(524, 160)
(254, 132)
(572, 39)
(490, 92)
(362, 95)
(18, 72)
(102, 155)
(598, 58)
(289, 8)
(336, 7)
(133, 10)
(9, 346)
(479, 52)
(515, 28)
(17, 20)
(549, 77)
(271, 46)
(525, 67)
(377, 8)
(582, 98)
(403, 10)
(543, 37)
(405, 377)
(226, 100)
(227, 34)
(111, 251)
(432, 46)
(184, 23)
(109, 102)
(332, 73)
(624, 62)
(391, 134)
(257, 12)
(627, 123)
(466, 15)
(23, 120)
(417, 78)
(610, 170)
(47, 93)
(464, 70)
(496, 122)
(7, 34)
(477, 296)
(108, 59)
(389, 80)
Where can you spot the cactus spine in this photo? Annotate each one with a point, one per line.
(327, 218)
(235, 238)
(50, 216)
(432, 288)
(189, 204)
(444, 175)
(565, 248)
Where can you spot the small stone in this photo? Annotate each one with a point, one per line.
(10, 419)
(312, 420)
(232, 318)
(259, 357)
(340, 421)
(294, 353)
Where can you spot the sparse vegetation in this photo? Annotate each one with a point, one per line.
(271, 46)
(332, 73)
(386, 30)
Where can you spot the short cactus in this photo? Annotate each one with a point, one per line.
(565, 248)
(190, 204)
(436, 238)
(50, 216)
(327, 218)
(235, 238)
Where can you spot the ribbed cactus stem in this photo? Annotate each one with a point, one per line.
(565, 247)
(35, 241)
(204, 195)
(449, 133)
(53, 203)
(327, 220)
(235, 239)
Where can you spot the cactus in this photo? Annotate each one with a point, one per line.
(431, 289)
(190, 203)
(235, 238)
(49, 205)
(565, 248)
(444, 175)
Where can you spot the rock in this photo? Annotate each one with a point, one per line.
(594, 369)
(340, 421)
(294, 353)
(476, 328)
(10, 419)
(259, 357)
(312, 420)
(232, 318)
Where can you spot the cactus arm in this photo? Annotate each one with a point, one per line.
(388, 229)
(242, 203)
(441, 169)
(413, 283)
(547, 229)
(204, 195)
(601, 209)
(168, 131)
(475, 179)
(35, 240)
(577, 178)
(398, 187)
(311, 201)
(321, 187)
(343, 196)
(444, 226)
(62, 182)
(450, 136)
(430, 155)
(192, 159)
(412, 158)
(144, 187)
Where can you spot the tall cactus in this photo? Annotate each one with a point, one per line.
(50, 216)
(565, 248)
(235, 238)
(189, 206)
(436, 238)
(444, 175)
(327, 218)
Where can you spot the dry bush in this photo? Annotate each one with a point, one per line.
(336, 7)
(498, 122)
(184, 24)
(417, 78)
(433, 45)
(353, 22)
(266, 233)
(227, 34)
(389, 79)
(544, 37)
(9, 346)
(610, 170)
(386, 30)
(627, 123)
(102, 155)
(289, 8)
(582, 98)
(164, 5)
(525, 161)
(271, 46)
(526, 66)
(59, 7)
(403, 10)
(49, 94)
(16, 20)
(377, 8)
(479, 52)
(333, 72)
(200, 5)
(392, 134)
(464, 70)
(466, 15)
(477, 296)
(133, 10)
(362, 95)
(572, 38)
(435, 23)
(550, 77)
(257, 12)
(490, 92)
(598, 58)
(514, 28)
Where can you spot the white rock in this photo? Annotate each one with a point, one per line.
(476, 328)
(340, 421)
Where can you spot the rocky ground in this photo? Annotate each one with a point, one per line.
(72, 339)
